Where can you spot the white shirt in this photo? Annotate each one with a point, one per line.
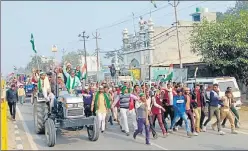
(148, 101)
(170, 94)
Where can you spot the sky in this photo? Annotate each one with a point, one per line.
(59, 23)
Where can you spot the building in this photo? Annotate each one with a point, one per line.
(156, 46)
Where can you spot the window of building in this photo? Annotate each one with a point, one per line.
(197, 17)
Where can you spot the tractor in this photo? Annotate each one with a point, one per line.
(66, 112)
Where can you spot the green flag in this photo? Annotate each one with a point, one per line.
(32, 42)
(133, 78)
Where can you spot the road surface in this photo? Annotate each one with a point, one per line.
(114, 139)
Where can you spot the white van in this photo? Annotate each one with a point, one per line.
(223, 83)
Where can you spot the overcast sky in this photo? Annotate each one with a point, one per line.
(60, 23)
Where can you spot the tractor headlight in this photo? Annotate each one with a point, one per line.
(69, 105)
(81, 105)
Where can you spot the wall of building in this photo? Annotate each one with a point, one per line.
(166, 48)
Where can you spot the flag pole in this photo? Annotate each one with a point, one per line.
(36, 58)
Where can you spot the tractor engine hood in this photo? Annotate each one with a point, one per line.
(72, 99)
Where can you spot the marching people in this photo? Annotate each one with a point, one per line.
(109, 113)
(21, 94)
(213, 109)
(225, 111)
(197, 109)
(205, 108)
(157, 110)
(88, 97)
(168, 106)
(180, 111)
(188, 110)
(126, 108)
(150, 100)
(233, 110)
(100, 105)
(12, 99)
(142, 117)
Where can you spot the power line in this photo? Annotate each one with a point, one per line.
(127, 20)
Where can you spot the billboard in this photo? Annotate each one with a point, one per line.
(179, 75)
(136, 73)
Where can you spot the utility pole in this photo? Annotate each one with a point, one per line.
(83, 35)
(97, 36)
(63, 54)
(174, 5)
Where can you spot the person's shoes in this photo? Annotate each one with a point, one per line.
(176, 128)
(165, 135)
(134, 136)
(13, 119)
(120, 127)
(189, 134)
(195, 133)
(127, 133)
(204, 128)
(148, 143)
(102, 131)
(234, 132)
(155, 136)
(236, 126)
(170, 131)
(123, 131)
(223, 126)
(213, 127)
(222, 133)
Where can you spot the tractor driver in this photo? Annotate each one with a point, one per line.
(44, 85)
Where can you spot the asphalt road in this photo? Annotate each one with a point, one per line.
(114, 139)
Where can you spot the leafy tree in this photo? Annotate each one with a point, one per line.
(74, 57)
(111, 55)
(224, 45)
(37, 62)
(239, 6)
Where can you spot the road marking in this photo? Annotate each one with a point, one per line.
(138, 137)
(19, 147)
(18, 138)
(16, 132)
(30, 138)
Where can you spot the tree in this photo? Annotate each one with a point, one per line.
(36, 61)
(224, 45)
(239, 6)
(111, 55)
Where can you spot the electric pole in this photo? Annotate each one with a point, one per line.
(97, 36)
(174, 5)
(83, 35)
(63, 53)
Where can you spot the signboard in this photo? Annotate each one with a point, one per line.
(179, 75)
(125, 78)
(54, 48)
(136, 73)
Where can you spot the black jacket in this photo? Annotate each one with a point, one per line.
(12, 95)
